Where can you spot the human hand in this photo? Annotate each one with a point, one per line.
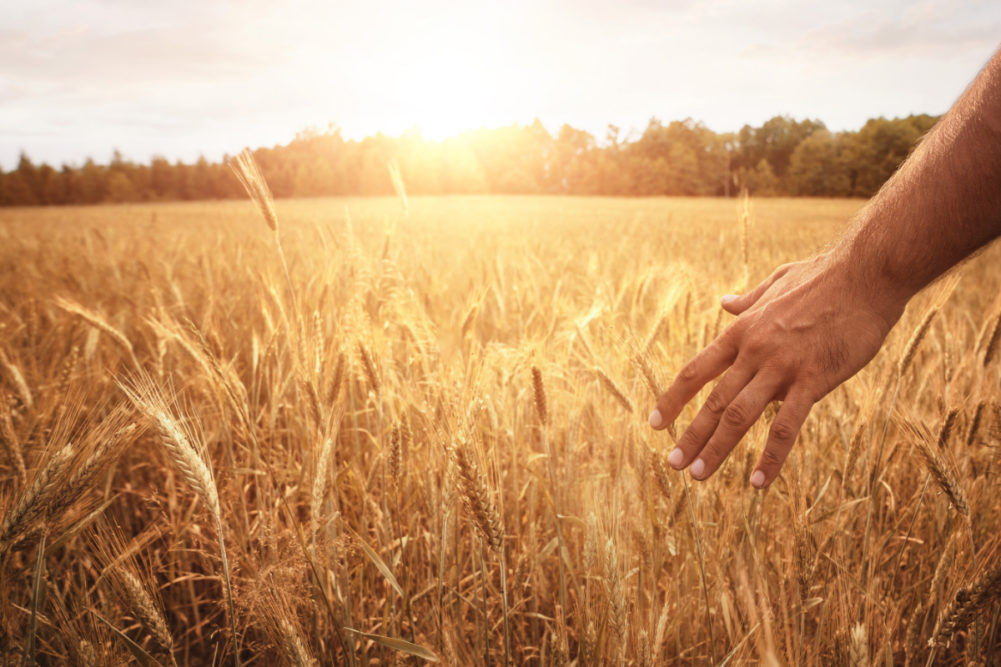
(799, 334)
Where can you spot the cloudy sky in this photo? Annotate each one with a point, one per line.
(180, 79)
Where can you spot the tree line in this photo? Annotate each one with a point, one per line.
(783, 156)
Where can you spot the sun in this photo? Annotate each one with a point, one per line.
(439, 78)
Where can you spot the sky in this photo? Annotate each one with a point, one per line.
(181, 79)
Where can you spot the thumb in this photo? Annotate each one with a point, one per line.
(735, 304)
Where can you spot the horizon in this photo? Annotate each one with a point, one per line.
(84, 79)
(600, 140)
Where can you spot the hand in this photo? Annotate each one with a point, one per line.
(806, 329)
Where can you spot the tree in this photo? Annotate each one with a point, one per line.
(774, 141)
(761, 180)
(879, 148)
(782, 156)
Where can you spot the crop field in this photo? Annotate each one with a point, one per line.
(417, 431)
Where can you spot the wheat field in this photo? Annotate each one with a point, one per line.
(416, 431)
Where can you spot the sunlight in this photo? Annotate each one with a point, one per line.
(438, 78)
(446, 97)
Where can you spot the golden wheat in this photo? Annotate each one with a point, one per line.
(326, 430)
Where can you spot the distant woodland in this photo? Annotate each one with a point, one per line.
(781, 157)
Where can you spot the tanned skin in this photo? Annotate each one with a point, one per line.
(811, 325)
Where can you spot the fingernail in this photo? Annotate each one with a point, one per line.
(758, 479)
(655, 419)
(727, 299)
(675, 458)
(698, 469)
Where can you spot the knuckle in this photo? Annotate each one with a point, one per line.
(689, 372)
(736, 415)
(754, 346)
(730, 338)
(770, 459)
(715, 403)
(782, 431)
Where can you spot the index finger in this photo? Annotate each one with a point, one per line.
(706, 365)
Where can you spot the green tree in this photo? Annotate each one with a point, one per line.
(760, 181)
(815, 168)
(120, 189)
(774, 141)
(879, 148)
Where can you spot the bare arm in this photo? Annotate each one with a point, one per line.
(813, 324)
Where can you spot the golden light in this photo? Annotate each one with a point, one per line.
(441, 77)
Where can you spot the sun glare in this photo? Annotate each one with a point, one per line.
(444, 99)
(441, 80)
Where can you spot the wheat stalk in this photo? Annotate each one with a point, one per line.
(942, 472)
(992, 342)
(148, 611)
(655, 331)
(978, 413)
(320, 484)
(614, 389)
(395, 461)
(244, 166)
(915, 340)
(945, 431)
(967, 605)
(9, 437)
(859, 647)
(659, 468)
(196, 472)
(31, 505)
(100, 323)
(398, 186)
(477, 498)
(539, 391)
(295, 647)
(615, 594)
(646, 370)
(24, 393)
(368, 365)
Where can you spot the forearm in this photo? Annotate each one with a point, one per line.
(941, 206)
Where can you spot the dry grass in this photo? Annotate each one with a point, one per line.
(427, 440)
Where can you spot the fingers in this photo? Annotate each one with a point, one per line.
(734, 422)
(704, 425)
(781, 437)
(736, 304)
(708, 364)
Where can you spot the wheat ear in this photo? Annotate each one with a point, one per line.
(915, 340)
(148, 612)
(477, 498)
(18, 380)
(941, 471)
(539, 390)
(967, 605)
(193, 468)
(614, 389)
(642, 363)
(99, 322)
(32, 503)
(245, 168)
(319, 485)
(615, 594)
(368, 365)
(859, 647)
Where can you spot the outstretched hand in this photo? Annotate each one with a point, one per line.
(799, 334)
